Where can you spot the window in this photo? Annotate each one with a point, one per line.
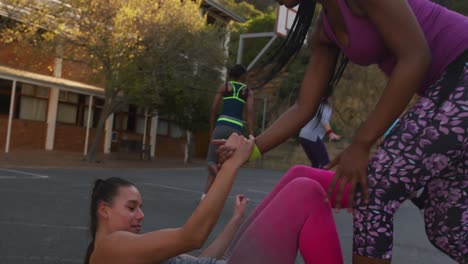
(33, 102)
(73, 109)
(169, 128)
(68, 107)
(27, 89)
(163, 127)
(133, 120)
(42, 92)
(67, 113)
(141, 117)
(33, 109)
(120, 121)
(140, 129)
(176, 131)
(5, 96)
(98, 104)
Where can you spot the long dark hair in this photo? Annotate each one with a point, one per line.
(291, 46)
(293, 43)
(103, 191)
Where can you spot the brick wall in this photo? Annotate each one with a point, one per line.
(31, 135)
(24, 134)
(72, 138)
(22, 57)
(201, 144)
(169, 147)
(81, 73)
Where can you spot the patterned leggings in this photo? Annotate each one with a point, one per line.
(427, 149)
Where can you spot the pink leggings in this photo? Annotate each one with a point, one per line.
(293, 216)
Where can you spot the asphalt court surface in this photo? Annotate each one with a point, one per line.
(44, 212)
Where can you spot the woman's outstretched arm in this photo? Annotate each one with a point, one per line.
(156, 246)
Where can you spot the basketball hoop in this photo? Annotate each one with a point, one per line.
(284, 20)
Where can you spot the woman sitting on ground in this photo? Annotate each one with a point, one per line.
(293, 216)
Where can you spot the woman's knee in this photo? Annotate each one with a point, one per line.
(323, 177)
(299, 171)
(305, 188)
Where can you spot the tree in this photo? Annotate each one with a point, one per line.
(243, 8)
(112, 38)
(186, 68)
(262, 5)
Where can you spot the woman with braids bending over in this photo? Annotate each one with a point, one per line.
(422, 48)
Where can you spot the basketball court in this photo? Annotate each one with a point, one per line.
(45, 211)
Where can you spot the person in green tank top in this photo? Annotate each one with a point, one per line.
(235, 97)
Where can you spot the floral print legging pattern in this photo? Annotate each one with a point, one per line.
(427, 148)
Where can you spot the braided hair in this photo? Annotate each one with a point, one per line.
(291, 46)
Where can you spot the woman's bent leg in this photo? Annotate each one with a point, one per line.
(297, 217)
(322, 177)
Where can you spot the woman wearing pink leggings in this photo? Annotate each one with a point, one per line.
(294, 215)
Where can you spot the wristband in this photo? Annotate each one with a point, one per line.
(329, 131)
(255, 153)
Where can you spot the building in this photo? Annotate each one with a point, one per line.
(46, 106)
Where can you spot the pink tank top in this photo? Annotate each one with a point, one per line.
(446, 33)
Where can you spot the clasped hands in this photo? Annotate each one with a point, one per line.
(351, 165)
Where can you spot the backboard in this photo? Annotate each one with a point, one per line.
(284, 19)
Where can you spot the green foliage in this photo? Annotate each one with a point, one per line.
(188, 107)
(145, 50)
(241, 8)
(108, 35)
(183, 74)
(262, 5)
(261, 23)
(289, 87)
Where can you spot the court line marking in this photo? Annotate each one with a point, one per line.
(44, 225)
(169, 187)
(257, 191)
(8, 177)
(42, 258)
(34, 175)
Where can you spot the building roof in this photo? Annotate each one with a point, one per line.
(221, 11)
(49, 81)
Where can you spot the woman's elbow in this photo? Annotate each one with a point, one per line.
(197, 243)
(304, 110)
(422, 56)
(426, 57)
(194, 240)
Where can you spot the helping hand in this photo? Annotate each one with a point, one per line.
(352, 169)
(235, 146)
(240, 206)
